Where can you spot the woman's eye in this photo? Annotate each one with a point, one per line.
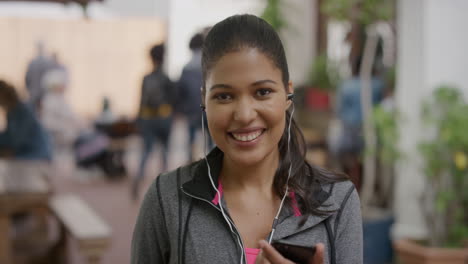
(263, 92)
(223, 97)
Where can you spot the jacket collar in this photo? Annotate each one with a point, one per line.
(289, 224)
(200, 186)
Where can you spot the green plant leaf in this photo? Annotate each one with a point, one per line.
(272, 14)
(387, 133)
(444, 161)
(323, 74)
(362, 11)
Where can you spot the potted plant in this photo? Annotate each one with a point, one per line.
(386, 123)
(365, 18)
(272, 14)
(368, 14)
(386, 119)
(445, 201)
(322, 81)
(313, 101)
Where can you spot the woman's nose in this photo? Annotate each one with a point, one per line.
(245, 111)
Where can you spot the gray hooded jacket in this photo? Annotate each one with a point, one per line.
(178, 223)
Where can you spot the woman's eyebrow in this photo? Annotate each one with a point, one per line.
(226, 86)
(220, 86)
(263, 82)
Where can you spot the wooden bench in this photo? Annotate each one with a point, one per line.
(82, 224)
(24, 188)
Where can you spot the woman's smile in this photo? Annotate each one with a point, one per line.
(246, 139)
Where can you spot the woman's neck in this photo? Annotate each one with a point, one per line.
(259, 177)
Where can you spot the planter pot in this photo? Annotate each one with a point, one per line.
(410, 252)
(377, 242)
(317, 99)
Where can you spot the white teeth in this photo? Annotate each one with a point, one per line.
(249, 137)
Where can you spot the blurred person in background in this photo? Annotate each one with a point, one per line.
(36, 70)
(349, 110)
(58, 65)
(155, 115)
(24, 137)
(56, 114)
(189, 89)
(106, 116)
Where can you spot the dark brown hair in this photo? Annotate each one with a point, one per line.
(157, 53)
(8, 93)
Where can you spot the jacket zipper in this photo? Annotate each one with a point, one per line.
(229, 218)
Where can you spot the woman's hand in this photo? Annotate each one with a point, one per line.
(269, 255)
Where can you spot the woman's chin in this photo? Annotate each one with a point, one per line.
(243, 162)
(247, 158)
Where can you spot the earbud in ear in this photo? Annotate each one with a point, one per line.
(290, 96)
(202, 107)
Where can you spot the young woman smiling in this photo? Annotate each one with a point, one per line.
(255, 187)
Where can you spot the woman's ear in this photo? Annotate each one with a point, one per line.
(202, 99)
(290, 87)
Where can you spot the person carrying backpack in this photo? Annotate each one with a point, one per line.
(155, 114)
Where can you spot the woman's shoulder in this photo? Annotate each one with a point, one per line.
(169, 181)
(341, 192)
(334, 186)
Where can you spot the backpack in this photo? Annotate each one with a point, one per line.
(157, 90)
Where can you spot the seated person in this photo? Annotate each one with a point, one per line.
(24, 137)
(106, 117)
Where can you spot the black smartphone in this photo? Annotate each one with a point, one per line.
(295, 253)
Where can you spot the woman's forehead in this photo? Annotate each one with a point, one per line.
(244, 65)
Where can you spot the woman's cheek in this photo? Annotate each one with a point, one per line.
(217, 123)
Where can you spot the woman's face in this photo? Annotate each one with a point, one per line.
(246, 106)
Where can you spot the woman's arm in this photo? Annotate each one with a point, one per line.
(348, 230)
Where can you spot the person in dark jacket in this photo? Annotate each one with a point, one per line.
(255, 187)
(189, 89)
(155, 114)
(24, 137)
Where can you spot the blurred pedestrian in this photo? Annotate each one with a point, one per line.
(189, 88)
(349, 109)
(24, 137)
(56, 114)
(156, 112)
(37, 68)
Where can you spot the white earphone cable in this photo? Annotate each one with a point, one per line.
(275, 221)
